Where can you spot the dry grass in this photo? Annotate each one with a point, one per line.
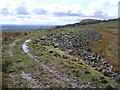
(7, 36)
(108, 48)
(4, 83)
(113, 30)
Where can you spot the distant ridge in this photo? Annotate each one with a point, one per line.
(86, 22)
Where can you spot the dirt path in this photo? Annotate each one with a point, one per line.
(72, 82)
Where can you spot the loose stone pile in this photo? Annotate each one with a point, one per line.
(76, 43)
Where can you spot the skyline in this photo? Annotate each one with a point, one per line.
(55, 12)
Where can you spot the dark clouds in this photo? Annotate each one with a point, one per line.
(68, 13)
(40, 11)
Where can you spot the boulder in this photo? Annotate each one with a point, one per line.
(50, 50)
(63, 56)
(55, 45)
(106, 72)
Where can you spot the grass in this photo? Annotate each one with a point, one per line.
(111, 24)
(22, 62)
(76, 69)
(107, 47)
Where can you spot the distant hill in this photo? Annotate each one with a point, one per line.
(7, 28)
(86, 22)
(89, 20)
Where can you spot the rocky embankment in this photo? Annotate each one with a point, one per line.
(76, 43)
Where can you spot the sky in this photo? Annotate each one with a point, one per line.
(55, 12)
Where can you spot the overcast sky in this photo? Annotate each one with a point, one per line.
(55, 12)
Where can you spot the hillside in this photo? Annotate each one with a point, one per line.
(80, 55)
(88, 22)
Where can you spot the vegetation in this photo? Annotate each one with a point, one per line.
(49, 71)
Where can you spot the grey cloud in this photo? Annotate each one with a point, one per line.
(22, 10)
(68, 13)
(100, 14)
(40, 11)
(22, 17)
(4, 11)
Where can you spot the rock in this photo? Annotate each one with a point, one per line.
(71, 59)
(109, 87)
(87, 72)
(92, 58)
(62, 49)
(55, 54)
(101, 77)
(118, 80)
(37, 40)
(106, 72)
(42, 38)
(50, 50)
(89, 49)
(18, 61)
(104, 81)
(63, 56)
(55, 45)
(80, 63)
(70, 52)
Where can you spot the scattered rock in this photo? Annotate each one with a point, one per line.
(76, 43)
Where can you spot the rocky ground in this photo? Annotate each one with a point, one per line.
(76, 43)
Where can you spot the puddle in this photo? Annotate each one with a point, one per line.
(25, 47)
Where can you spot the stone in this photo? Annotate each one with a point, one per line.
(63, 56)
(109, 87)
(104, 81)
(87, 72)
(80, 63)
(71, 59)
(55, 54)
(70, 52)
(100, 69)
(55, 45)
(50, 50)
(106, 72)
(42, 38)
(118, 80)
(101, 77)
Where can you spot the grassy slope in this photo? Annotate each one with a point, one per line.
(108, 46)
(22, 62)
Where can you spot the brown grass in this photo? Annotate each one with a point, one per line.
(107, 48)
(112, 30)
(6, 36)
(4, 83)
